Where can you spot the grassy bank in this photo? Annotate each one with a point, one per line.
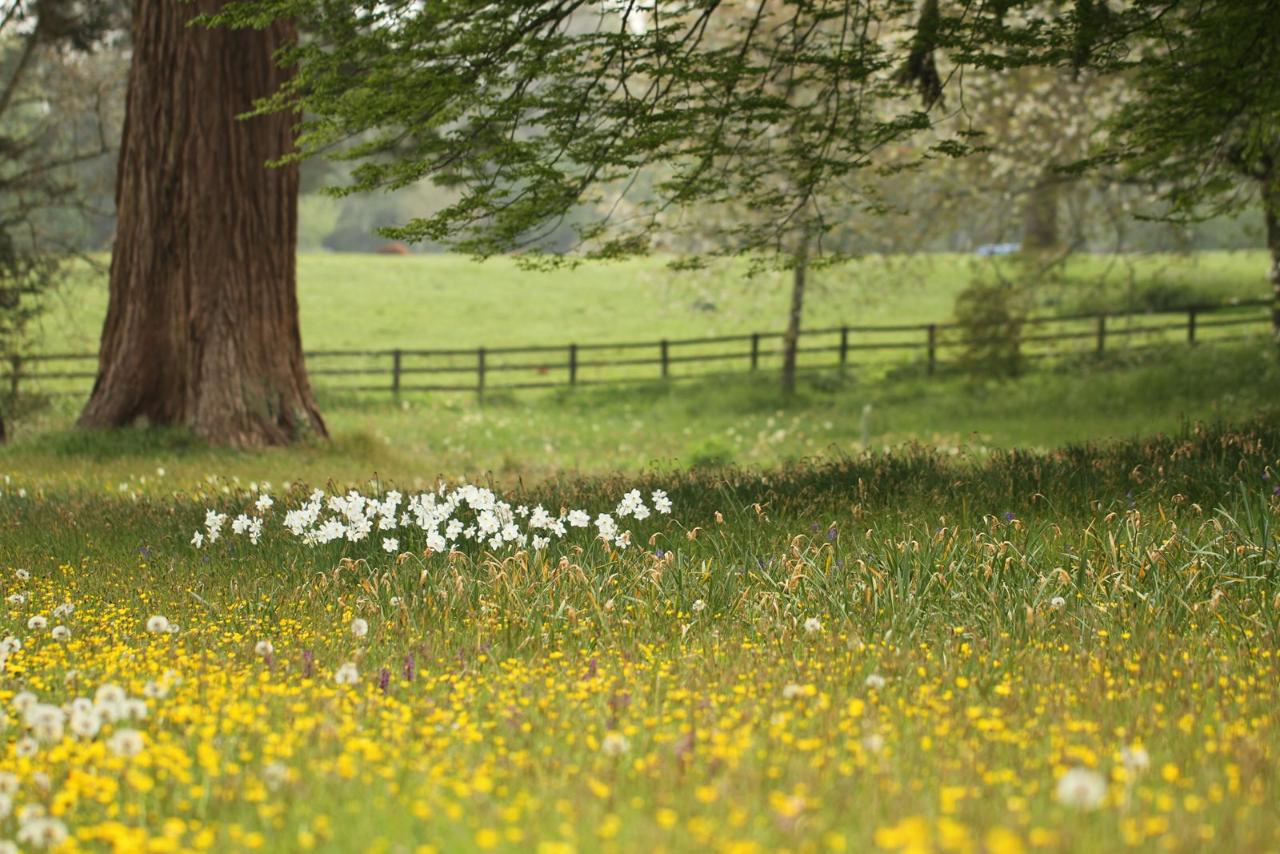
(675, 426)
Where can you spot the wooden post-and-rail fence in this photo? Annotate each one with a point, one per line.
(546, 366)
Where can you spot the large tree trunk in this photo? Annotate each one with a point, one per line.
(1040, 216)
(791, 339)
(202, 322)
(1271, 211)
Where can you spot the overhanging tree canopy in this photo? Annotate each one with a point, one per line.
(1202, 122)
(531, 107)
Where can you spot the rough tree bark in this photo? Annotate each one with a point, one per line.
(202, 321)
(791, 339)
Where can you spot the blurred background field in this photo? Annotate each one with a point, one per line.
(367, 301)
(879, 399)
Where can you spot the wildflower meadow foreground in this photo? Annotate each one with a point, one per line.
(1066, 652)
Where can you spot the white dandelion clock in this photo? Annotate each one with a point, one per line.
(24, 700)
(43, 832)
(108, 693)
(1135, 759)
(1081, 788)
(347, 674)
(158, 624)
(85, 724)
(110, 700)
(46, 722)
(275, 775)
(615, 744)
(126, 743)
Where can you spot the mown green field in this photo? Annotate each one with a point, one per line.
(441, 301)
(377, 302)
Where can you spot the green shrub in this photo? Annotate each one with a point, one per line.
(990, 316)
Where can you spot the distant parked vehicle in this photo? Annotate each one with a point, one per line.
(997, 249)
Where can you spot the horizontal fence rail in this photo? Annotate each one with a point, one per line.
(484, 369)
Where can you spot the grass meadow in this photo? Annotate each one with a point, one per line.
(351, 301)
(893, 613)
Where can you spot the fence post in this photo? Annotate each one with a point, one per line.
(755, 350)
(573, 364)
(480, 371)
(1102, 334)
(933, 347)
(844, 345)
(666, 366)
(1191, 325)
(395, 373)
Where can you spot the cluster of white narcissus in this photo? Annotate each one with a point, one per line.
(448, 517)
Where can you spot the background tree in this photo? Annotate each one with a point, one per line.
(1202, 125)
(202, 320)
(529, 109)
(54, 111)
